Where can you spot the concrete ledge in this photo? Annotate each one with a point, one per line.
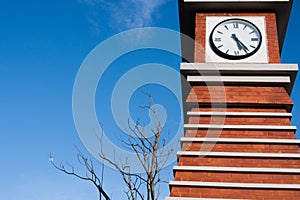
(240, 140)
(239, 67)
(236, 1)
(240, 114)
(237, 169)
(247, 127)
(235, 185)
(217, 69)
(238, 154)
(240, 79)
(186, 198)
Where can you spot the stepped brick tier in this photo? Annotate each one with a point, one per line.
(239, 142)
(253, 153)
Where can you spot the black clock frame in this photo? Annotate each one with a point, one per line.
(231, 57)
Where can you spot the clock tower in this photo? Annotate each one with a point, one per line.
(238, 141)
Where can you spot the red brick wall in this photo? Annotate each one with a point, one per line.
(240, 109)
(241, 147)
(241, 134)
(255, 96)
(237, 177)
(235, 193)
(239, 94)
(272, 37)
(239, 162)
(240, 120)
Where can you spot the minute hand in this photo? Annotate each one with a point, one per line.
(243, 46)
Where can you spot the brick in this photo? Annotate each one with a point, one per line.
(268, 95)
(239, 162)
(205, 192)
(230, 109)
(241, 134)
(240, 147)
(238, 177)
(228, 120)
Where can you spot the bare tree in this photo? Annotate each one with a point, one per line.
(90, 173)
(150, 155)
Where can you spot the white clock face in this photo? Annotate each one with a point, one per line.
(235, 39)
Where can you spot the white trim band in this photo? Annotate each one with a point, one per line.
(239, 67)
(250, 114)
(240, 140)
(187, 198)
(252, 127)
(238, 154)
(205, 1)
(240, 79)
(237, 169)
(235, 185)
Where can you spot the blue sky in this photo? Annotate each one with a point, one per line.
(43, 44)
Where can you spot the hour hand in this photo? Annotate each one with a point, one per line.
(240, 45)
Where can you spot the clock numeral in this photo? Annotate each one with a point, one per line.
(237, 53)
(254, 39)
(235, 25)
(217, 39)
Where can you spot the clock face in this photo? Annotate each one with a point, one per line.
(235, 39)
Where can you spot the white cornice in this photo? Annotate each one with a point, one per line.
(237, 169)
(234, 1)
(249, 127)
(240, 114)
(239, 67)
(241, 140)
(238, 154)
(234, 185)
(187, 198)
(240, 79)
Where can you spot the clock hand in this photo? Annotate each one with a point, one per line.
(237, 41)
(244, 47)
(241, 46)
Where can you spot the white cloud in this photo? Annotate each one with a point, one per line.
(127, 14)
